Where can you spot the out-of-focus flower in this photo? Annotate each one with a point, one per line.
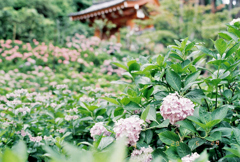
(234, 21)
(142, 155)
(191, 158)
(99, 129)
(129, 128)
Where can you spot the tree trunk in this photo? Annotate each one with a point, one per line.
(230, 6)
(237, 3)
(213, 4)
(202, 2)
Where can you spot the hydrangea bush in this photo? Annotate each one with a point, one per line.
(182, 106)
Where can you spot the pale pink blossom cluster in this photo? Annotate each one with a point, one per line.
(86, 99)
(23, 110)
(61, 86)
(142, 155)
(69, 117)
(35, 139)
(72, 110)
(109, 69)
(176, 108)
(61, 130)
(99, 129)
(130, 128)
(191, 158)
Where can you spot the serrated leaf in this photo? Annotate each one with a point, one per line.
(173, 80)
(221, 46)
(214, 136)
(195, 142)
(183, 150)
(191, 78)
(169, 138)
(188, 125)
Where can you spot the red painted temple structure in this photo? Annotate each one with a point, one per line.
(119, 12)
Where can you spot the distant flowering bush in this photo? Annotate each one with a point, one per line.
(130, 128)
(176, 108)
(142, 155)
(99, 129)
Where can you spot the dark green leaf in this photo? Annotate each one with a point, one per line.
(173, 80)
(169, 138)
(214, 136)
(183, 150)
(195, 142)
(132, 106)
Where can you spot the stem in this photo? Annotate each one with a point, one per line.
(216, 97)
(204, 99)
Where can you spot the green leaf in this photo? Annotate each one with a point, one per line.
(120, 65)
(184, 42)
(203, 157)
(160, 95)
(142, 80)
(213, 123)
(152, 114)
(132, 106)
(221, 46)
(188, 125)
(227, 35)
(183, 150)
(176, 56)
(119, 151)
(105, 141)
(145, 113)
(207, 51)
(134, 67)
(197, 121)
(10, 156)
(172, 153)
(165, 123)
(195, 94)
(232, 50)
(219, 113)
(195, 143)
(149, 136)
(173, 80)
(110, 100)
(236, 152)
(169, 138)
(236, 132)
(20, 149)
(148, 92)
(226, 132)
(214, 136)
(191, 78)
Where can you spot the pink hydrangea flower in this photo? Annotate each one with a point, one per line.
(129, 128)
(142, 155)
(176, 108)
(98, 129)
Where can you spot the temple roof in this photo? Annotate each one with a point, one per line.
(98, 6)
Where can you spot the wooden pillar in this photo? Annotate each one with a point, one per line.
(97, 32)
(130, 23)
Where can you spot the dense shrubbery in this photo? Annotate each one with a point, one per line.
(172, 108)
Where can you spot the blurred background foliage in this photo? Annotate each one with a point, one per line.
(48, 21)
(44, 20)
